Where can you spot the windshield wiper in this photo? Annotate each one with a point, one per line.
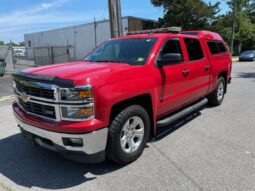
(113, 61)
(102, 61)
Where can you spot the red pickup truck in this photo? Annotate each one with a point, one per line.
(111, 102)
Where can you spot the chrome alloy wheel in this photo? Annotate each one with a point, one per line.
(132, 134)
(220, 91)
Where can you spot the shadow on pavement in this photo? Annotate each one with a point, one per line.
(29, 165)
(246, 75)
(165, 131)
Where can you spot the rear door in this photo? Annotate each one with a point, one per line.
(200, 65)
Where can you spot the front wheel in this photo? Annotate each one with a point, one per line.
(217, 96)
(128, 135)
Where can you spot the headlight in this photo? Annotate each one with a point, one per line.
(78, 103)
(77, 113)
(79, 93)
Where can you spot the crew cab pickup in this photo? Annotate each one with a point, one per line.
(111, 102)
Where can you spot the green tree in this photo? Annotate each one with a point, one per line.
(1, 43)
(245, 32)
(244, 28)
(188, 14)
(251, 10)
(21, 44)
(11, 44)
(223, 26)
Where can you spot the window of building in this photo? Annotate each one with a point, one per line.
(29, 43)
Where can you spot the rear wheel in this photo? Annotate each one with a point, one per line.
(128, 135)
(217, 96)
(1, 75)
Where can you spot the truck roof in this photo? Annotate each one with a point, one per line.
(207, 35)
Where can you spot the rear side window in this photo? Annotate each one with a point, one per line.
(194, 49)
(216, 47)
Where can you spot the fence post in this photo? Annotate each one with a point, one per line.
(52, 55)
(34, 56)
(68, 53)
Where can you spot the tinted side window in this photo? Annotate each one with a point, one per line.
(172, 46)
(194, 49)
(221, 47)
(213, 47)
(216, 47)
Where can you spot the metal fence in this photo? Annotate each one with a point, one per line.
(52, 54)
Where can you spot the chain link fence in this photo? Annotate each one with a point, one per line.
(52, 54)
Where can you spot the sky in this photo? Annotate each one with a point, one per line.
(19, 17)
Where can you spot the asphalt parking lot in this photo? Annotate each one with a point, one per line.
(5, 86)
(213, 149)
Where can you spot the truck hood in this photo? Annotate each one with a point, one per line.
(85, 72)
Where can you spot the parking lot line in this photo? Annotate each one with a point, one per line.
(9, 97)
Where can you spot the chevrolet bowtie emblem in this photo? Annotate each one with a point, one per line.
(23, 96)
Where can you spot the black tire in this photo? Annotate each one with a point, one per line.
(114, 151)
(214, 99)
(1, 75)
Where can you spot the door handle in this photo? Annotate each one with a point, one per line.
(185, 72)
(206, 67)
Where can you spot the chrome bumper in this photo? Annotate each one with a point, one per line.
(93, 142)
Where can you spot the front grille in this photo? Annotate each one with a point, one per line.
(38, 109)
(38, 92)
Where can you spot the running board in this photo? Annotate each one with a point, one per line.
(168, 120)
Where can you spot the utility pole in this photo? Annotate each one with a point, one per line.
(119, 18)
(111, 17)
(115, 18)
(233, 29)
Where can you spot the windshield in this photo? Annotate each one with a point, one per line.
(133, 51)
(248, 52)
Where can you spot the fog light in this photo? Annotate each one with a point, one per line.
(73, 142)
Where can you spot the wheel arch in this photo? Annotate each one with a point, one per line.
(224, 74)
(144, 100)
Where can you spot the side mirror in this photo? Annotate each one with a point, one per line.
(169, 58)
(4, 64)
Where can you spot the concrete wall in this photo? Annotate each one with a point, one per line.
(81, 37)
(6, 52)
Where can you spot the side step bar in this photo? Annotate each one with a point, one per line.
(166, 121)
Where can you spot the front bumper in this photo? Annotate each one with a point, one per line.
(247, 59)
(92, 150)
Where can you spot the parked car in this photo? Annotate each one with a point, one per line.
(248, 55)
(110, 103)
(19, 52)
(2, 67)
